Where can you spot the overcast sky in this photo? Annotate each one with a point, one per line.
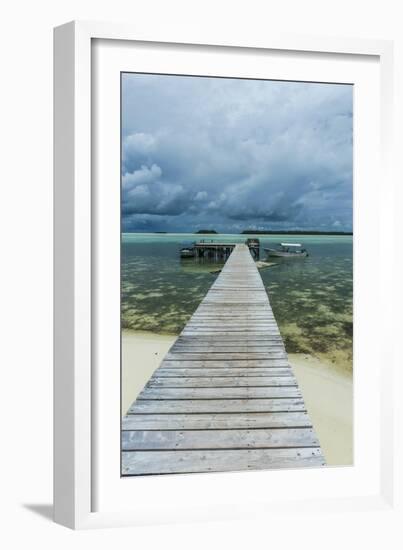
(231, 154)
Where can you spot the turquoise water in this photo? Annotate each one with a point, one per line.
(311, 297)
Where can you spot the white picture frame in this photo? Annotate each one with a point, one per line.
(77, 472)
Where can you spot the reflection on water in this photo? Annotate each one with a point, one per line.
(201, 265)
(311, 297)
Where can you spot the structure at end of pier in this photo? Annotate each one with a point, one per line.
(215, 250)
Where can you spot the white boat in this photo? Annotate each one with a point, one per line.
(287, 250)
(187, 252)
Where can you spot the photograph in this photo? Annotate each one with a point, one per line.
(236, 274)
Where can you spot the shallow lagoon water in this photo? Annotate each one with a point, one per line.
(311, 297)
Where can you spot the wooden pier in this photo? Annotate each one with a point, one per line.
(225, 397)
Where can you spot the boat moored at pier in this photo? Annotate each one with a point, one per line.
(287, 250)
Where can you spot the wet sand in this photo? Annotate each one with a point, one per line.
(327, 389)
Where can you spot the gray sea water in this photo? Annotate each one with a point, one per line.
(312, 298)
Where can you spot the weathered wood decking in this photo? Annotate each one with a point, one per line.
(225, 397)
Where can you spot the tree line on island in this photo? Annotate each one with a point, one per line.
(276, 232)
(270, 232)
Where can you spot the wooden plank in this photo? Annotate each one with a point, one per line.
(261, 325)
(226, 310)
(223, 326)
(229, 356)
(170, 440)
(217, 406)
(258, 345)
(248, 328)
(166, 372)
(215, 421)
(245, 350)
(218, 340)
(220, 382)
(232, 315)
(275, 352)
(194, 339)
(220, 343)
(169, 462)
(229, 334)
(219, 393)
(222, 363)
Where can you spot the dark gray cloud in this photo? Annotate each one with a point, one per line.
(233, 154)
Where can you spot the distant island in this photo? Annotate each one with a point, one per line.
(256, 232)
(294, 232)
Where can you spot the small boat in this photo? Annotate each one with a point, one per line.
(187, 252)
(287, 250)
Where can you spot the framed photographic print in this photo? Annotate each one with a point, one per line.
(218, 229)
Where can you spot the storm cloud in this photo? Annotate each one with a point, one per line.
(233, 154)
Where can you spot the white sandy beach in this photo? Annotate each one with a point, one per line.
(142, 352)
(327, 390)
(328, 395)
